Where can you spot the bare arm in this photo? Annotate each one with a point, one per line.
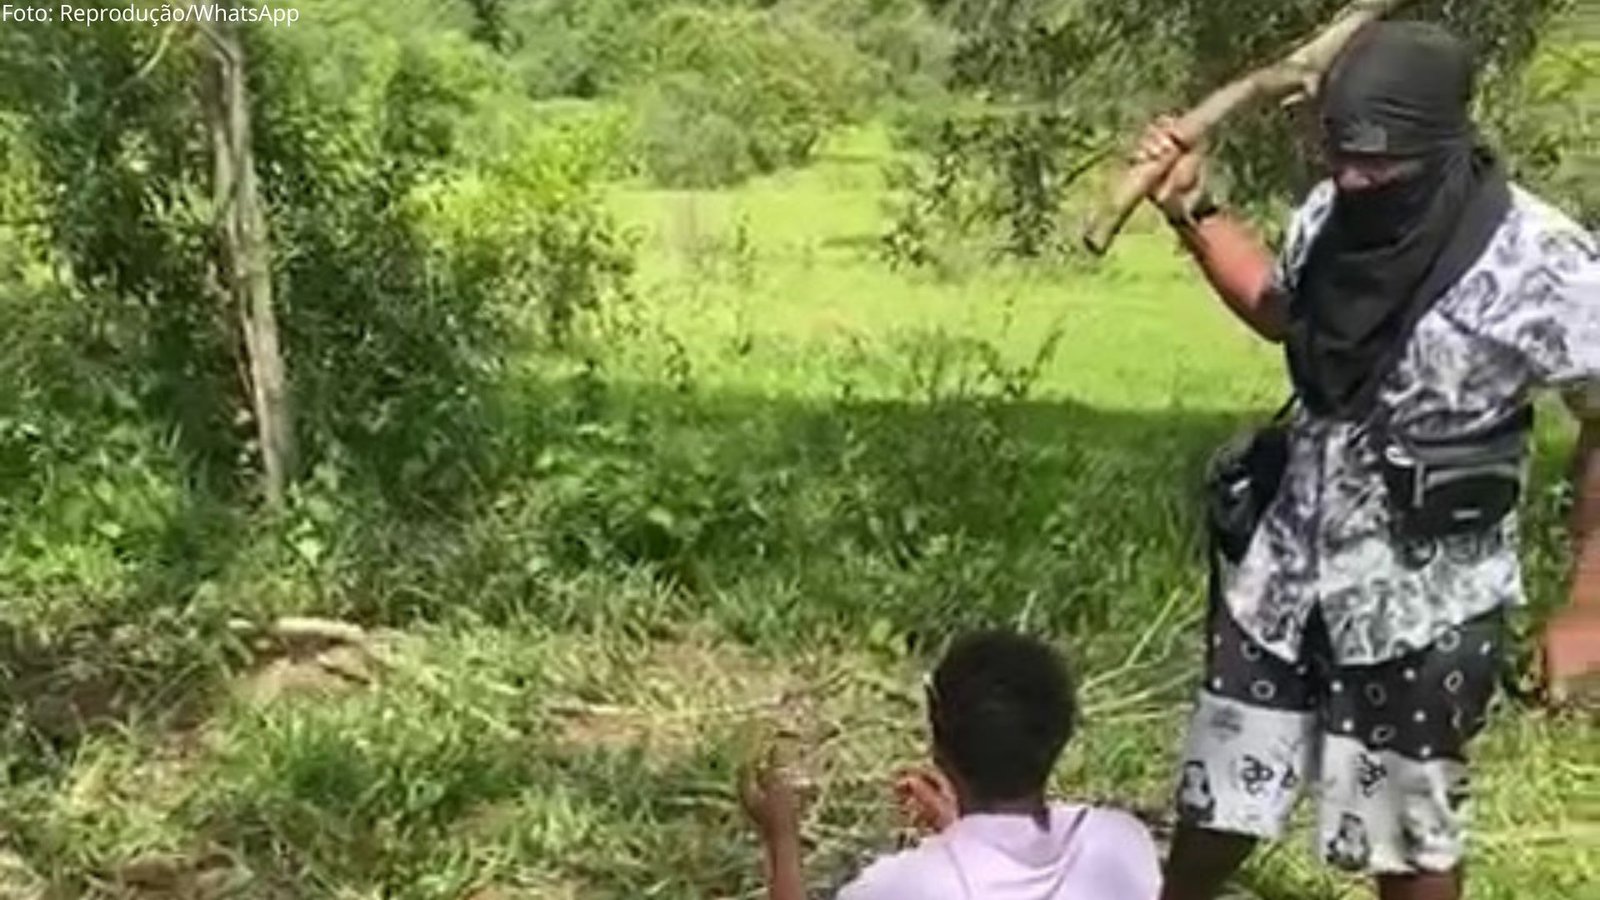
(785, 877)
(769, 799)
(1584, 467)
(1239, 267)
(1233, 257)
(1584, 520)
(1572, 636)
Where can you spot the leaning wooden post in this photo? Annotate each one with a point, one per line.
(245, 262)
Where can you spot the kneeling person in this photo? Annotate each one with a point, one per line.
(1001, 710)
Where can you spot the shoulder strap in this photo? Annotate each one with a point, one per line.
(1288, 406)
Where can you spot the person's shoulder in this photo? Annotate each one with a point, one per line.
(1116, 825)
(1120, 848)
(1515, 289)
(923, 871)
(1535, 239)
(1542, 212)
(1545, 224)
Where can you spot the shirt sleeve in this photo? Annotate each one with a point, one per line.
(881, 880)
(925, 872)
(1554, 319)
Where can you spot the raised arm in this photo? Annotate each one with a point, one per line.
(769, 800)
(1239, 268)
(1233, 258)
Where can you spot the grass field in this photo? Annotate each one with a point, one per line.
(777, 483)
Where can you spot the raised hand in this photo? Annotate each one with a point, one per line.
(927, 798)
(1184, 184)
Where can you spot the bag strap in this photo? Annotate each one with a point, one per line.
(1288, 406)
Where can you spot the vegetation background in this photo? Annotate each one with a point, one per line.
(656, 369)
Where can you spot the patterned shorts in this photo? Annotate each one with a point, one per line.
(1382, 748)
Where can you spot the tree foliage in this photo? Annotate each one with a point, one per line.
(720, 90)
(1097, 69)
(1550, 125)
(725, 95)
(368, 138)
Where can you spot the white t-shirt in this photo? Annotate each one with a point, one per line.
(1086, 854)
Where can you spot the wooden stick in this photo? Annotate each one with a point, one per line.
(1291, 78)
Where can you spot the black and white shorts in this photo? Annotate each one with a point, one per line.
(1382, 748)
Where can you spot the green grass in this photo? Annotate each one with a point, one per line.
(779, 481)
(815, 295)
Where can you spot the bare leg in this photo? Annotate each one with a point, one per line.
(1431, 886)
(1201, 862)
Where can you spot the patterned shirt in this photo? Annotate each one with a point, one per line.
(1525, 316)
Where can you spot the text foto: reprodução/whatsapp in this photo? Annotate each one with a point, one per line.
(153, 15)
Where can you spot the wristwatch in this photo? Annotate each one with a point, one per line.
(1205, 206)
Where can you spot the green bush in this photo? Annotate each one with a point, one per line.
(118, 406)
(586, 50)
(426, 222)
(1554, 138)
(593, 49)
(730, 93)
(527, 238)
(685, 141)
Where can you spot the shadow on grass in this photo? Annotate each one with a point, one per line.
(779, 514)
(150, 653)
(786, 522)
(843, 514)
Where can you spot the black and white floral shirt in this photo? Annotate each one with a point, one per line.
(1525, 316)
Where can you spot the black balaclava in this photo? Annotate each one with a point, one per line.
(1401, 91)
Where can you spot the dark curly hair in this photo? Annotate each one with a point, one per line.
(1002, 708)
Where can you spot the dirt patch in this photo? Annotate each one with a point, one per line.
(329, 674)
(298, 657)
(64, 705)
(161, 876)
(665, 702)
(154, 876)
(17, 878)
(681, 690)
(65, 687)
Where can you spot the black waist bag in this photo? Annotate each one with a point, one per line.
(1243, 478)
(1466, 484)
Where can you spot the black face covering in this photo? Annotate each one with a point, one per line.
(1401, 92)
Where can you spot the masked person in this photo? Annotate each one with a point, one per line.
(1357, 618)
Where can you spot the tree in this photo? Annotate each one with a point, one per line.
(1053, 88)
(244, 264)
(490, 24)
(730, 93)
(157, 165)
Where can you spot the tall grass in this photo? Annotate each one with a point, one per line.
(768, 490)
